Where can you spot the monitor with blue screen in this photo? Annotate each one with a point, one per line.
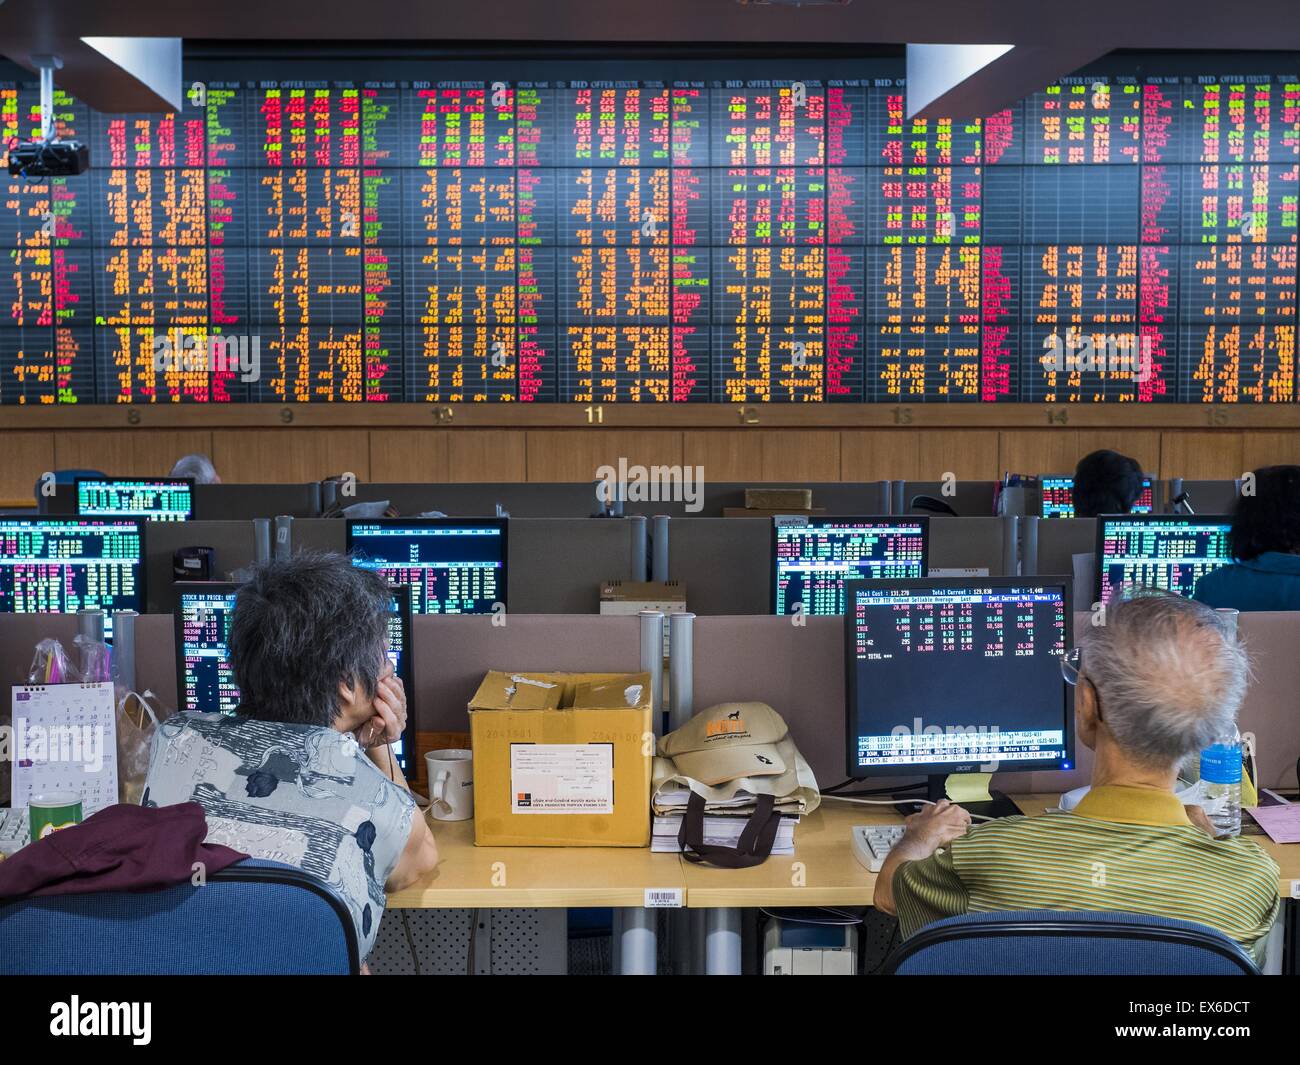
(453, 565)
(812, 557)
(1058, 497)
(957, 675)
(56, 565)
(1168, 551)
(171, 499)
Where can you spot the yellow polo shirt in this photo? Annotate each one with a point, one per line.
(1124, 849)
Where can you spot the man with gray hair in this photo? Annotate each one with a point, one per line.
(1159, 681)
(198, 467)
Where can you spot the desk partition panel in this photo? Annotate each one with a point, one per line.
(974, 543)
(830, 497)
(1205, 497)
(725, 564)
(231, 541)
(452, 653)
(243, 502)
(972, 499)
(557, 565)
(535, 500)
(1050, 544)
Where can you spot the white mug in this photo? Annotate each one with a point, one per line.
(451, 784)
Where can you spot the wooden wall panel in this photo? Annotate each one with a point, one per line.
(1059, 451)
(725, 454)
(23, 458)
(487, 455)
(574, 455)
(404, 456)
(1269, 449)
(808, 455)
(129, 452)
(271, 456)
(879, 455)
(1202, 456)
(970, 455)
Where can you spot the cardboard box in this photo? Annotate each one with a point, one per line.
(562, 759)
(778, 499)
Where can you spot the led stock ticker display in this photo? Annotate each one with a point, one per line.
(725, 240)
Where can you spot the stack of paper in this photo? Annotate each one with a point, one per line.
(724, 820)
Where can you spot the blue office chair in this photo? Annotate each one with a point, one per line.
(1073, 943)
(252, 918)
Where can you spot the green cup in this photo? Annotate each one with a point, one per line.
(49, 813)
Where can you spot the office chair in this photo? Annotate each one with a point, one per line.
(931, 505)
(252, 918)
(1073, 943)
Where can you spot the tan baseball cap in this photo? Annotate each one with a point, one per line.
(727, 742)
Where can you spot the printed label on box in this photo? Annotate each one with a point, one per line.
(562, 778)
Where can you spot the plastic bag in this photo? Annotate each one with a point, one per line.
(51, 665)
(136, 725)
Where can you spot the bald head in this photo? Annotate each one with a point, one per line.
(1168, 673)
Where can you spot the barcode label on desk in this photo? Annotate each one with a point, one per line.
(663, 898)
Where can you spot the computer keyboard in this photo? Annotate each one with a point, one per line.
(13, 830)
(872, 843)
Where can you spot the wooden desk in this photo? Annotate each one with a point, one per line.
(510, 877)
(823, 871)
(824, 864)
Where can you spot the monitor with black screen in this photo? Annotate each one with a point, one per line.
(1058, 497)
(1169, 551)
(957, 675)
(52, 565)
(205, 680)
(169, 499)
(453, 565)
(812, 557)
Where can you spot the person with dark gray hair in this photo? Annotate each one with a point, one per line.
(1159, 679)
(303, 773)
(197, 467)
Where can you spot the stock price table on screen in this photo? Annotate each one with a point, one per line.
(813, 557)
(690, 239)
(65, 565)
(207, 678)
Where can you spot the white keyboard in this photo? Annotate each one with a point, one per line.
(872, 843)
(13, 830)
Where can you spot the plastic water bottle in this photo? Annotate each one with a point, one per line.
(1221, 779)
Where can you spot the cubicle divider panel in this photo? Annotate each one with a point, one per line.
(1205, 497)
(973, 543)
(970, 499)
(328, 535)
(155, 659)
(557, 565)
(725, 564)
(231, 541)
(451, 653)
(537, 500)
(1057, 541)
(710, 500)
(1272, 707)
(243, 502)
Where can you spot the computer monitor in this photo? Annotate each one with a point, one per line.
(957, 675)
(56, 565)
(453, 565)
(171, 499)
(205, 680)
(1058, 497)
(1169, 551)
(812, 557)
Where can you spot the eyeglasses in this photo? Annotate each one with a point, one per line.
(1072, 665)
